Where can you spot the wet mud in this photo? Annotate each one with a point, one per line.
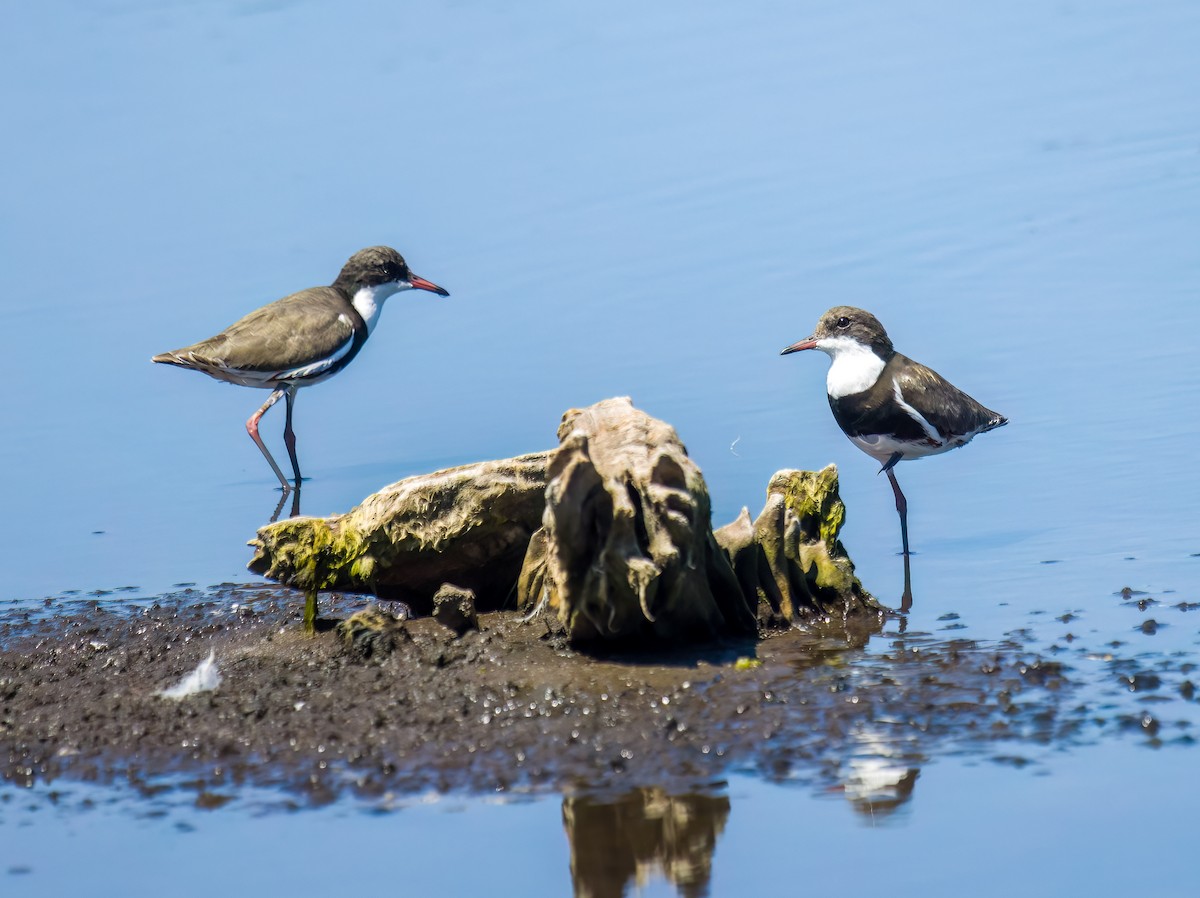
(511, 708)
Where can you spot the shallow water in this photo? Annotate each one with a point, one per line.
(772, 840)
(629, 200)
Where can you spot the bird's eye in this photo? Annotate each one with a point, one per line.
(843, 322)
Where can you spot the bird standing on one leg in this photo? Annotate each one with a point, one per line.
(891, 407)
(302, 339)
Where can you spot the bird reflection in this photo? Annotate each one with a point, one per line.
(879, 778)
(295, 510)
(878, 787)
(629, 839)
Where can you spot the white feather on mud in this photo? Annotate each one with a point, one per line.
(204, 678)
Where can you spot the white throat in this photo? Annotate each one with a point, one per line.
(368, 301)
(855, 367)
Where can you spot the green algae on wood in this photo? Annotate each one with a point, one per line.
(812, 496)
(791, 554)
(371, 633)
(468, 525)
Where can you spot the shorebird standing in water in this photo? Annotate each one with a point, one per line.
(891, 407)
(302, 339)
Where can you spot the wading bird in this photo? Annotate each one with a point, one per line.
(302, 339)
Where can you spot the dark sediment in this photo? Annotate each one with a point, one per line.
(507, 707)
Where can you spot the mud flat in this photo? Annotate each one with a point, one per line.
(508, 707)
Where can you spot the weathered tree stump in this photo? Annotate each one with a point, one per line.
(610, 534)
(626, 550)
(469, 526)
(791, 557)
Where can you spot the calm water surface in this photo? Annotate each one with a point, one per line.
(641, 199)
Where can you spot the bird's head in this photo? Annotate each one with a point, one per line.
(845, 327)
(383, 271)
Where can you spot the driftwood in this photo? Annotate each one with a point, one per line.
(468, 526)
(626, 549)
(610, 534)
(791, 559)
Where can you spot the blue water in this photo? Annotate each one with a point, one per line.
(776, 841)
(642, 199)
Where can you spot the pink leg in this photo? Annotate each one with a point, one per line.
(252, 429)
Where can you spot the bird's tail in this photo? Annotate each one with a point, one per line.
(172, 358)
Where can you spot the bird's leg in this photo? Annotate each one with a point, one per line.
(252, 429)
(289, 436)
(901, 509)
(891, 462)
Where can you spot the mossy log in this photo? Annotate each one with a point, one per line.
(626, 550)
(791, 557)
(469, 526)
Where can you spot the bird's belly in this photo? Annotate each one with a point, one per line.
(304, 379)
(301, 375)
(274, 380)
(262, 380)
(882, 447)
(304, 376)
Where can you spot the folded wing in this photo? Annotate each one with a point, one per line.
(298, 337)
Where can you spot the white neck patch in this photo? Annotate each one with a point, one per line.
(855, 367)
(368, 301)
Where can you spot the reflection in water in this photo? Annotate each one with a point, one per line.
(295, 512)
(881, 773)
(876, 788)
(614, 843)
(906, 599)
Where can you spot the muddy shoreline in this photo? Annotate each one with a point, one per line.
(509, 708)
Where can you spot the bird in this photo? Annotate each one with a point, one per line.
(302, 339)
(892, 408)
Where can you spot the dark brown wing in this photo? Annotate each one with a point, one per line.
(950, 411)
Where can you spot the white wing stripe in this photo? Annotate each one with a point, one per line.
(317, 367)
(929, 429)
